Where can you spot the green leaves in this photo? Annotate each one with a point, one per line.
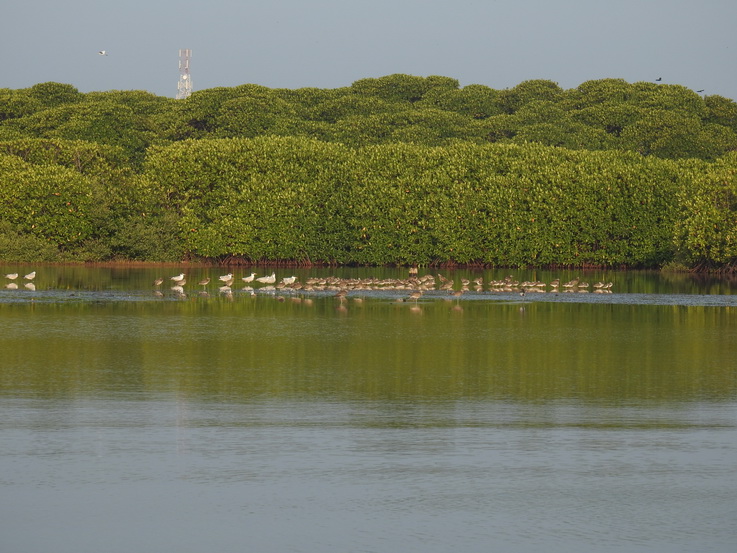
(667, 134)
(101, 122)
(47, 201)
(667, 121)
(55, 94)
(515, 98)
(706, 229)
(399, 169)
(291, 198)
(399, 87)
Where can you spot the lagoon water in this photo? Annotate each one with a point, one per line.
(297, 422)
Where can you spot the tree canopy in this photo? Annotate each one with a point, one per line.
(396, 169)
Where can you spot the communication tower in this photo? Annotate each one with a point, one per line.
(184, 88)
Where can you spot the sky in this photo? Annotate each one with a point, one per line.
(332, 43)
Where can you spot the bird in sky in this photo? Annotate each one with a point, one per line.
(659, 79)
(102, 52)
(702, 90)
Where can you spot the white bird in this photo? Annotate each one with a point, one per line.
(102, 52)
(227, 277)
(178, 278)
(267, 279)
(11, 276)
(249, 278)
(30, 276)
(289, 280)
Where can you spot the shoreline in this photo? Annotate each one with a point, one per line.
(242, 263)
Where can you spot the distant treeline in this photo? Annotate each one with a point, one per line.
(394, 170)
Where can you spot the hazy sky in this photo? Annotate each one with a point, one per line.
(331, 43)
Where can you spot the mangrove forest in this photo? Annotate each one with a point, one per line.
(399, 169)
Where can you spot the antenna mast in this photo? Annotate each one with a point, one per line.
(184, 88)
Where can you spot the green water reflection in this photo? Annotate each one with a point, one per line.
(257, 347)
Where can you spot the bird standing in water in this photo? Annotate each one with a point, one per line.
(267, 279)
(416, 295)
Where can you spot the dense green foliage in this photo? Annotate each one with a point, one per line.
(398, 169)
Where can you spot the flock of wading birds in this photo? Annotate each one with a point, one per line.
(414, 284)
(28, 281)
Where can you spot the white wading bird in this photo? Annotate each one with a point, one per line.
(267, 279)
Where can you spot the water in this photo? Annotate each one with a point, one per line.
(285, 422)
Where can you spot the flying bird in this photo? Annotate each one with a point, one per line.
(102, 52)
(702, 90)
(659, 79)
